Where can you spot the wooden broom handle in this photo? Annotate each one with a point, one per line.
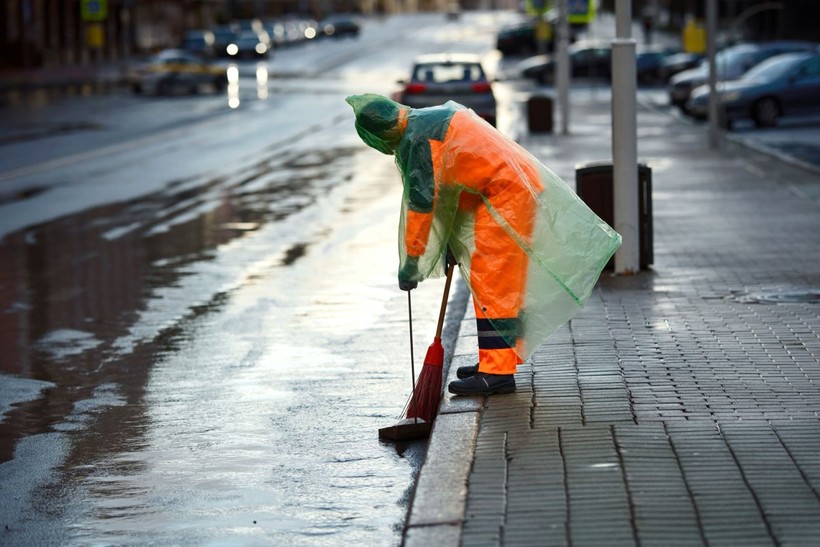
(444, 300)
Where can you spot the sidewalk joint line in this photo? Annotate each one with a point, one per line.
(749, 487)
(632, 521)
(566, 489)
(577, 372)
(505, 496)
(796, 464)
(686, 483)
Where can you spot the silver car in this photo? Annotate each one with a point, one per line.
(438, 78)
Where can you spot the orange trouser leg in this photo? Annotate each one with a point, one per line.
(498, 275)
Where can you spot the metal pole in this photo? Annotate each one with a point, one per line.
(625, 141)
(714, 100)
(562, 69)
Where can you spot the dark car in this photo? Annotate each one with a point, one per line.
(678, 62)
(784, 85)
(340, 25)
(224, 35)
(438, 78)
(517, 39)
(649, 64)
(249, 45)
(731, 63)
(587, 61)
(199, 42)
(520, 38)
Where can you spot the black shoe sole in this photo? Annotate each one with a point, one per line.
(500, 390)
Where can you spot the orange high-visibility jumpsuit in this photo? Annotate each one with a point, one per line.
(493, 192)
(530, 250)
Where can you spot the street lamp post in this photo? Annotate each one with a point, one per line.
(625, 141)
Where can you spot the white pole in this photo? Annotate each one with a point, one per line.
(625, 141)
(711, 31)
(562, 69)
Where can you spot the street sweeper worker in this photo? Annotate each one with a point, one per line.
(528, 248)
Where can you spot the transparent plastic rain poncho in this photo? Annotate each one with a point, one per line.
(456, 168)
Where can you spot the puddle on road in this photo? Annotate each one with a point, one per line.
(96, 307)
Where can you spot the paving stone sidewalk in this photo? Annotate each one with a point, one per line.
(681, 406)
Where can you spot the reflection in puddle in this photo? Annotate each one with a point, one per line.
(70, 288)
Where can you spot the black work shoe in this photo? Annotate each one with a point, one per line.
(466, 372)
(483, 384)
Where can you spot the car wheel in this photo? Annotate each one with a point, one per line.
(765, 112)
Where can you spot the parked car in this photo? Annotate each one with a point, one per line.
(249, 45)
(678, 62)
(173, 71)
(731, 63)
(588, 60)
(518, 39)
(438, 78)
(649, 64)
(784, 85)
(340, 25)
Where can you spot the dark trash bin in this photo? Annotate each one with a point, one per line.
(539, 114)
(594, 184)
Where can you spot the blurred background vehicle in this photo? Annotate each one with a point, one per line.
(731, 62)
(224, 35)
(174, 71)
(587, 59)
(249, 45)
(784, 85)
(678, 62)
(649, 63)
(518, 39)
(199, 42)
(438, 78)
(277, 32)
(340, 25)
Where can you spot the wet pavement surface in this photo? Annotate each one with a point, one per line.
(205, 359)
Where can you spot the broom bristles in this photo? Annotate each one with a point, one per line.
(424, 402)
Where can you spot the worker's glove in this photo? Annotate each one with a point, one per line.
(450, 259)
(408, 273)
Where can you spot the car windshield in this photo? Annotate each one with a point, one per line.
(736, 60)
(448, 72)
(772, 69)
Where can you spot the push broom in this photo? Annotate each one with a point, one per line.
(421, 409)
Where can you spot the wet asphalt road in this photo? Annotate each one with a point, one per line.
(199, 316)
(199, 321)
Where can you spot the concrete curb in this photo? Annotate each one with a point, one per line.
(438, 506)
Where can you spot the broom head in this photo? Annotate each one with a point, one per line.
(425, 400)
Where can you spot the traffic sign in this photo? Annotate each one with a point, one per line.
(581, 11)
(94, 10)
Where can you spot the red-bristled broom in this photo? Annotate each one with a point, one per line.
(427, 394)
(422, 407)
